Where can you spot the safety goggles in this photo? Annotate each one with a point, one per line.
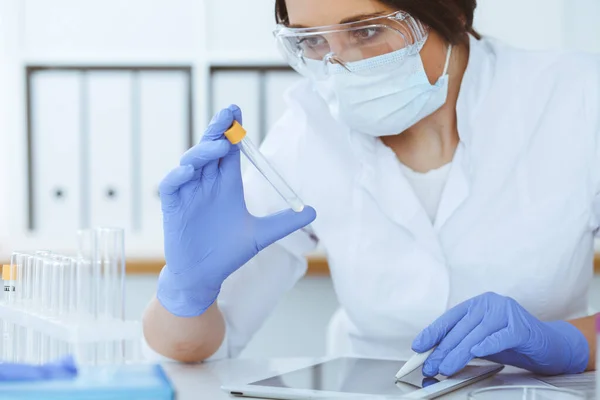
(352, 47)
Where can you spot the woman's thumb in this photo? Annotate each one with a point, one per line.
(277, 226)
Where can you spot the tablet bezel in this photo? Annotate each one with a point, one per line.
(456, 382)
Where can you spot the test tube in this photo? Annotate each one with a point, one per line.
(111, 249)
(64, 288)
(29, 264)
(37, 305)
(36, 297)
(46, 285)
(19, 263)
(71, 288)
(111, 257)
(16, 263)
(88, 273)
(87, 281)
(237, 135)
(8, 329)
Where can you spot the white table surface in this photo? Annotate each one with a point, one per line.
(204, 381)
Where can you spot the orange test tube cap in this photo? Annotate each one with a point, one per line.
(236, 133)
(6, 273)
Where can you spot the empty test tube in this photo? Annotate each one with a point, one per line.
(87, 282)
(237, 135)
(100, 287)
(111, 256)
(8, 329)
(110, 252)
(18, 267)
(87, 276)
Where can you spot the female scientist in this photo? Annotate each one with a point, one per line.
(457, 182)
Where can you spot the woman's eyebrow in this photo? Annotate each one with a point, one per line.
(355, 18)
(362, 17)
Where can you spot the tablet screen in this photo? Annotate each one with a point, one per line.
(353, 375)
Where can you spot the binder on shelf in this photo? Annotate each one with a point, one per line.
(110, 151)
(55, 143)
(164, 135)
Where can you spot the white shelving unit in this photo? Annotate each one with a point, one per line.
(226, 44)
(106, 113)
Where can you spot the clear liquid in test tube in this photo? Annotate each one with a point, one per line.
(237, 136)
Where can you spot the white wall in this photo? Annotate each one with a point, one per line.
(542, 24)
(10, 132)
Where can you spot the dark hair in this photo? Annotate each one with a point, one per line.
(452, 19)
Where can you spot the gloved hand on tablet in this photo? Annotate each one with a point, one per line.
(498, 329)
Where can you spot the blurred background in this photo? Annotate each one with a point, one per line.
(99, 98)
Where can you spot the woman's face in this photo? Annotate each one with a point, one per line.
(314, 13)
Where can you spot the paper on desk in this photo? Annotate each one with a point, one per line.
(583, 382)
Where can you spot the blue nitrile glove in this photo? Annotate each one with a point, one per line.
(498, 329)
(208, 232)
(61, 369)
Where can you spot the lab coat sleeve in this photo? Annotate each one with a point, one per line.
(247, 298)
(593, 110)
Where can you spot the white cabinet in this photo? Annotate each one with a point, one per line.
(56, 174)
(164, 135)
(101, 140)
(258, 92)
(110, 149)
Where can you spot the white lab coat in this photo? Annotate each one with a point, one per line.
(517, 217)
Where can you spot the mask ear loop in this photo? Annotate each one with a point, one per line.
(447, 66)
(332, 58)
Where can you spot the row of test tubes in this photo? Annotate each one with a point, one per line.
(87, 289)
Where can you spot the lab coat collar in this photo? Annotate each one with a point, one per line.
(475, 86)
(473, 91)
(382, 177)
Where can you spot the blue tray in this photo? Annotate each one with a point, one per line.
(130, 382)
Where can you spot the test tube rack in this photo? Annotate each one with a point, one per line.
(72, 332)
(55, 305)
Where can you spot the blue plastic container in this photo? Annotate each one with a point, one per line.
(129, 382)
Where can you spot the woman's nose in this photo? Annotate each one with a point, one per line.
(336, 45)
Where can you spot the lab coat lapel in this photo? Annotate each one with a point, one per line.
(473, 92)
(458, 188)
(383, 179)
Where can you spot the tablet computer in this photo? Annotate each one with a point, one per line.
(358, 377)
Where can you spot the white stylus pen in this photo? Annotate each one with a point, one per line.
(415, 362)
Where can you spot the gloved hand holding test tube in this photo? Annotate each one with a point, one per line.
(237, 135)
(204, 212)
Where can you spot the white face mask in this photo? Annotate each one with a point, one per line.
(384, 102)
